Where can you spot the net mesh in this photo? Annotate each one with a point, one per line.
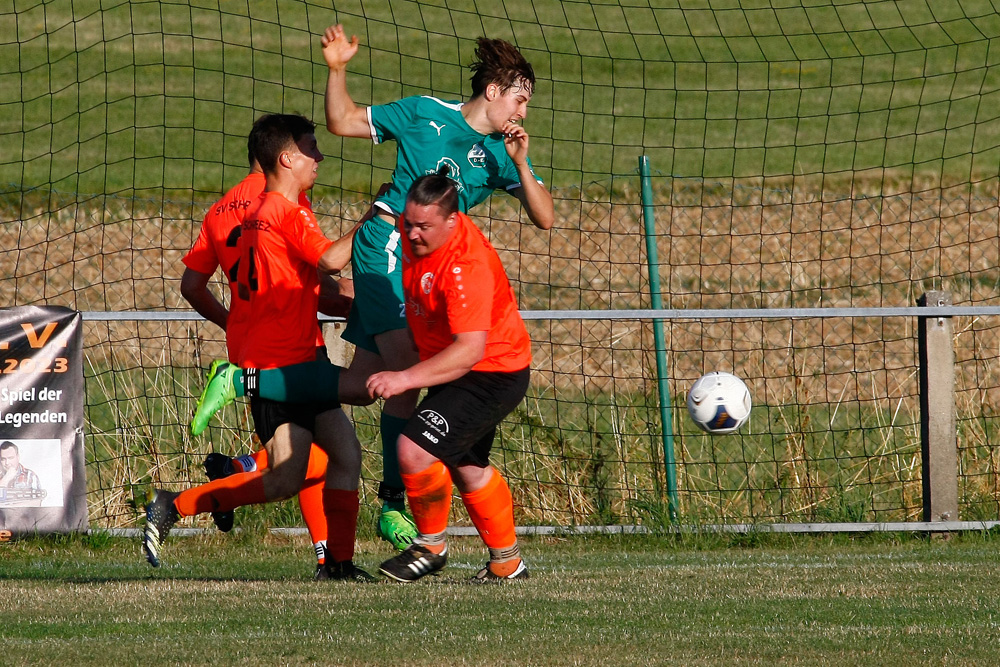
(827, 153)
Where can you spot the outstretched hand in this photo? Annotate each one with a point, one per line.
(337, 48)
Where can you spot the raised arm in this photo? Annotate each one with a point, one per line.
(343, 117)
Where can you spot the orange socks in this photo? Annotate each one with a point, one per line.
(341, 508)
(311, 502)
(260, 459)
(222, 495)
(429, 493)
(310, 497)
(316, 470)
(491, 509)
(311, 506)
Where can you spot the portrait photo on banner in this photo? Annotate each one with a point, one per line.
(31, 473)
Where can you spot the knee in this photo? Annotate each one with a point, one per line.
(353, 389)
(471, 478)
(356, 396)
(412, 457)
(283, 482)
(345, 454)
(277, 487)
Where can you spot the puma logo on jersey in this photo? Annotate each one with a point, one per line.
(436, 126)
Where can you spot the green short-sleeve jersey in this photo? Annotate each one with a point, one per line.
(429, 133)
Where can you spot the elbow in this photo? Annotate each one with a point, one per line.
(194, 284)
(332, 120)
(191, 290)
(331, 265)
(476, 355)
(339, 127)
(544, 221)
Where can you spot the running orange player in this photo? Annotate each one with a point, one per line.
(217, 246)
(281, 249)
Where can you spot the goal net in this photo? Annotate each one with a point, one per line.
(821, 154)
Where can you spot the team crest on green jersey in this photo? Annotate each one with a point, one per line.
(477, 156)
(453, 172)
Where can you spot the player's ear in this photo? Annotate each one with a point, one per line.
(491, 92)
(285, 160)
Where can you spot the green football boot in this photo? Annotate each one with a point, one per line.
(218, 393)
(396, 528)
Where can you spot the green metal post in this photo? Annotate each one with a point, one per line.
(658, 338)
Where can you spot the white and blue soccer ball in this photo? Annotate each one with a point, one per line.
(719, 402)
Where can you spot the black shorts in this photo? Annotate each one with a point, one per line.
(457, 421)
(268, 415)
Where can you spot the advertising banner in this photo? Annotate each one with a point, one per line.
(42, 484)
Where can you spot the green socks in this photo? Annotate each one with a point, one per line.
(308, 382)
(390, 428)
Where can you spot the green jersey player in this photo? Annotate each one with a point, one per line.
(484, 148)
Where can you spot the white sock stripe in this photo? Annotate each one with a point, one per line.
(250, 378)
(248, 462)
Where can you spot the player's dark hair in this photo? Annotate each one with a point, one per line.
(273, 133)
(7, 444)
(435, 189)
(501, 63)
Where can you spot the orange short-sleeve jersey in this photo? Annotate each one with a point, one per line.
(462, 287)
(280, 248)
(218, 246)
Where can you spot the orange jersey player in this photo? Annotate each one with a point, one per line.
(217, 246)
(281, 249)
(474, 361)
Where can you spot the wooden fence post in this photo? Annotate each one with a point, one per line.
(939, 444)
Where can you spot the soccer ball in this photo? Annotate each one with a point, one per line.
(719, 402)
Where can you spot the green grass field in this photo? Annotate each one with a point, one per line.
(708, 600)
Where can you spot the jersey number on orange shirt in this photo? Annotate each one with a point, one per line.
(233, 241)
(251, 284)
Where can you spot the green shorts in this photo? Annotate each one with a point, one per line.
(377, 272)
